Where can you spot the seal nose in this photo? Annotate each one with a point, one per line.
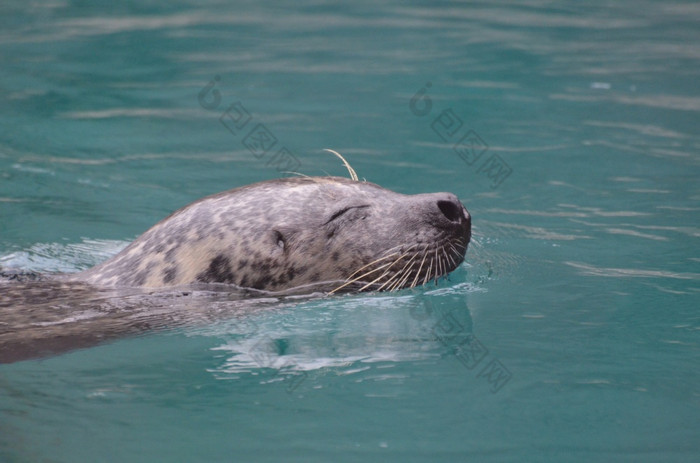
(444, 211)
(453, 210)
(452, 215)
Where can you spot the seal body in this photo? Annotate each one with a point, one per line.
(294, 232)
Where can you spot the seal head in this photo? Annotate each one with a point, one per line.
(295, 232)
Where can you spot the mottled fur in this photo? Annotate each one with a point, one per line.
(291, 232)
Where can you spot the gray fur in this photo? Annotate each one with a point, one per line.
(288, 233)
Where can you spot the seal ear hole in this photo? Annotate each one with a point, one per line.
(279, 239)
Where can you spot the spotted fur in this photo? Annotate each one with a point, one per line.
(292, 232)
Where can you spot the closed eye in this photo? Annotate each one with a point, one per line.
(343, 211)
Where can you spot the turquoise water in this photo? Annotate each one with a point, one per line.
(569, 131)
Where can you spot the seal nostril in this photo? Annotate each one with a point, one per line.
(450, 210)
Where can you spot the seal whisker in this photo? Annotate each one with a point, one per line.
(428, 272)
(379, 277)
(443, 264)
(459, 247)
(400, 283)
(450, 255)
(415, 280)
(387, 265)
(398, 275)
(433, 274)
(404, 274)
(443, 259)
(389, 280)
(439, 268)
(371, 263)
(380, 259)
(362, 276)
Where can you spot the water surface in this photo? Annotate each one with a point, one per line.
(568, 130)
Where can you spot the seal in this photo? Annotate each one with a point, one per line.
(301, 235)
(298, 233)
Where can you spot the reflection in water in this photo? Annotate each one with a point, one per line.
(343, 336)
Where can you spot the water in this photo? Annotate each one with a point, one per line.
(571, 333)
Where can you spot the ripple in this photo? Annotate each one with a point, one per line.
(643, 129)
(540, 233)
(622, 231)
(184, 114)
(59, 257)
(677, 102)
(630, 272)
